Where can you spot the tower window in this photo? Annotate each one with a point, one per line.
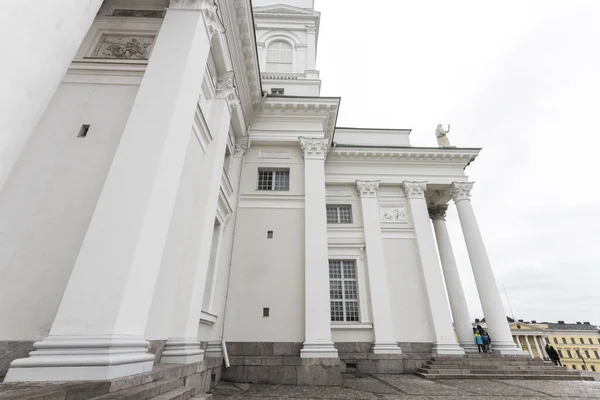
(83, 131)
(277, 91)
(279, 57)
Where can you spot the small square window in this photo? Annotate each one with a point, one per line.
(273, 179)
(339, 214)
(265, 311)
(277, 91)
(83, 131)
(269, 234)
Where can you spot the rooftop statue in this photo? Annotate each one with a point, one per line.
(441, 136)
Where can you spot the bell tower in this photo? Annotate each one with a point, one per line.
(286, 34)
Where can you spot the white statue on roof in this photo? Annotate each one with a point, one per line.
(442, 137)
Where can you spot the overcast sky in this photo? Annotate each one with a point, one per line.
(520, 79)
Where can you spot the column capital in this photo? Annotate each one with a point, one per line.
(241, 145)
(414, 189)
(225, 89)
(437, 212)
(311, 29)
(209, 12)
(314, 148)
(367, 188)
(460, 190)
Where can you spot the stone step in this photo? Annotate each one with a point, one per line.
(482, 363)
(175, 394)
(143, 392)
(477, 356)
(497, 372)
(506, 377)
(492, 367)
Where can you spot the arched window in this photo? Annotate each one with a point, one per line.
(279, 57)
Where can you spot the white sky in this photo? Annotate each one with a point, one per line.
(520, 79)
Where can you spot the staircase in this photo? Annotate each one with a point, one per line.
(164, 382)
(495, 367)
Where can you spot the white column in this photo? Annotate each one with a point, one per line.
(383, 329)
(311, 47)
(445, 342)
(542, 344)
(456, 295)
(317, 343)
(517, 337)
(537, 346)
(98, 332)
(495, 316)
(55, 30)
(528, 345)
(183, 344)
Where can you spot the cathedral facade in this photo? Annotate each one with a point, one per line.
(186, 194)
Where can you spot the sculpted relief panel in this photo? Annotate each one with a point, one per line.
(127, 47)
(393, 214)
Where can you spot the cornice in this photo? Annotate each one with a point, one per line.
(405, 155)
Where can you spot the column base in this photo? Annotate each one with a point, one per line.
(82, 358)
(447, 349)
(317, 349)
(508, 349)
(213, 350)
(386, 348)
(469, 347)
(182, 351)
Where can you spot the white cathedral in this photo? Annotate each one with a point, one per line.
(184, 196)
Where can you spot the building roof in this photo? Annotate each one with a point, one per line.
(573, 327)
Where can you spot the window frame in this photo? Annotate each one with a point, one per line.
(569, 355)
(344, 300)
(276, 66)
(564, 340)
(338, 207)
(274, 171)
(596, 353)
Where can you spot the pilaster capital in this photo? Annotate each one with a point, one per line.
(225, 89)
(415, 189)
(437, 212)
(314, 148)
(367, 188)
(209, 12)
(311, 29)
(460, 190)
(241, 145)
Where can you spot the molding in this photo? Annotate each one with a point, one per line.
(338, 193)
(314, 148)
(200, 129)
(438, 212)
(367, 188)
(393, 214)
(415, 189)
(363, 326)
(405, 155)
(224, 209)
(225, 89)
(460, 190)
(241, 146)
(226, 184)
(271, 201)
(207, 318)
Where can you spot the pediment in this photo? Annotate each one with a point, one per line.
(285, 9)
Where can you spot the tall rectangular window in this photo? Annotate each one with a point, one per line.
(590, 340)
(339, 214)
(578, 353)
(343, 291)
(573, 340)
(581, 340)
(569, 355)
(560, 353)
(273, 179)
(555, 341)
(596, 354)
(587, 353)
(564, 340)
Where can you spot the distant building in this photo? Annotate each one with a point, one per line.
(578, 344)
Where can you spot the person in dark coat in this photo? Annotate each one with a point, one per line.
(555, 357)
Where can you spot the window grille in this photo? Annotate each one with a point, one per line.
(343, 291)
(339, 214)
(274, 179)
(279, 57)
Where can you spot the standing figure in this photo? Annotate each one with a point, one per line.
(479, 342)
(554, 356)
(442, 137)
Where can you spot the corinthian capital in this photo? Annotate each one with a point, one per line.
(414, 189)
(311, 29)
(437, 212)
(225, 89)
(209, 12)
(460, 190)
(367, 188)
(314, 148)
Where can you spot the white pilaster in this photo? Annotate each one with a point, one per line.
(311, 47)
(383, 329)
(543, 346)
(518, 339)
(98, 332)
(441, 320)
(55, 30)
(456, 295)
(183, 345)
(317, 343)
(489, 295)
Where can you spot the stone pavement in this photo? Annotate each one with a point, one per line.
(409, 387)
